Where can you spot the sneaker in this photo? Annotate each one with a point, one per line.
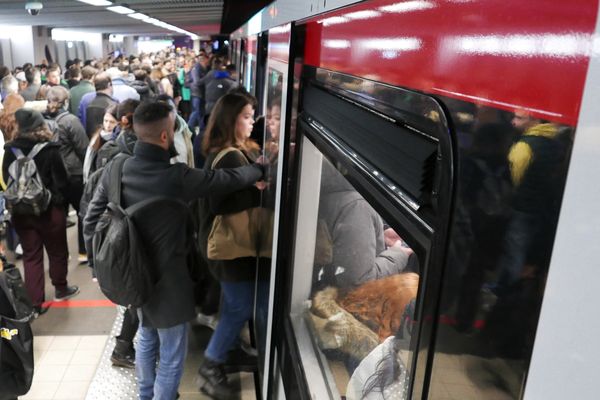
(213, 381)
(71, 222)
(240, 361)
(66, 293)
(210, 321)
(38, 311)
(82, 258)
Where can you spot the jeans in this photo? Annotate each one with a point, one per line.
(170, 346)
(196, 117)
(236, 309)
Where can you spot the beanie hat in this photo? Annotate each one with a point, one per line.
(28, 120)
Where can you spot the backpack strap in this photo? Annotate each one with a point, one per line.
(36, 149)
(17, 152)
(222, 154)
(116, 175)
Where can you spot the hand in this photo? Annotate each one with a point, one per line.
(262, 160)
(261, 185)
(391, 237)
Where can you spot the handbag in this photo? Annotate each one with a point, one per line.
(232, 235)
(16, 337)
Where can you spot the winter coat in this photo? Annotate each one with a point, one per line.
(216, 84)
(240, 269)
(73, 141)
(49, 165)
(149, 173)
(183, 143)
(124, 143)
(358, 248)
(77, 93)
(143, 89)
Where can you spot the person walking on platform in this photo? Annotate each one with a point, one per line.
(164, 318)
(47, 230)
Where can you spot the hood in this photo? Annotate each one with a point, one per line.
(141, 87)
(332, 181)
(126, 140)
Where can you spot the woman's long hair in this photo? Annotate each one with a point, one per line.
(58, 99)
(220, 129)
(39, 134)
(8, 123)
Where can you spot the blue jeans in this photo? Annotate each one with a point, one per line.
(197, 115)
(170, 346)
(236, 309)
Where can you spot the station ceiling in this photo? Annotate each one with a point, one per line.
(202, 17)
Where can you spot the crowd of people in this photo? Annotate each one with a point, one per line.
(166, 112)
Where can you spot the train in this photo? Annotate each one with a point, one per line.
(433, 217)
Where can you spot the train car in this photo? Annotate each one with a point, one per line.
(430, 200)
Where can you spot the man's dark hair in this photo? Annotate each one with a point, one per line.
(127, 108)
(164, 97)
(102, 81)
(140, 75)
(74, 71)
(26, 66)
(230, 68)
(69, 63)
(4, 71)
(30, 75)
(87, 62)
(52, 67)
(151, 111)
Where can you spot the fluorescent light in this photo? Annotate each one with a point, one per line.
(120, 10)
(97, 2)
(151, 21)
(138, 16)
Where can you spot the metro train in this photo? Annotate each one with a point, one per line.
(430, 186)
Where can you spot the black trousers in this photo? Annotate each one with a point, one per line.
(74, 193)
(130, 325)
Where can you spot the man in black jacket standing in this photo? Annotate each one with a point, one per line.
(164, 318)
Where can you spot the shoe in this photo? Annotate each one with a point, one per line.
(240, 361)
(123, 355)
(210, 321)
(66, 293)
(213, 381)
(70, 223)
(39, 310)
(82, 258)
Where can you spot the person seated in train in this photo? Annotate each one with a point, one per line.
(355, 234)
(163, 329)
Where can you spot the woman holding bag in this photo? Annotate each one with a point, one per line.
(228, 237)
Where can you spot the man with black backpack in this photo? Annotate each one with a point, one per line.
(157, 233)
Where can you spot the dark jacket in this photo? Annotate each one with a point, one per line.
(149, 173)
(95, 111)
(240, 269)
(143, 89)
(73, 141)
(198, 73)
(216, 84)
(49, 165)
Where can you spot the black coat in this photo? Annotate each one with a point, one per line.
(73, 141)
(149, 173)
(48, 162)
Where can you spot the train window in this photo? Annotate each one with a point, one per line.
(355, 286)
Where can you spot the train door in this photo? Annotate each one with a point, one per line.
(274, 106)
(373, 191)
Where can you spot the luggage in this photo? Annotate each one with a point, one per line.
(16, 337)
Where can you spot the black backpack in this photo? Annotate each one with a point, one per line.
(125, 272)
(25, 192)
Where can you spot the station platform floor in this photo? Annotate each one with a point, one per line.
(73, 342)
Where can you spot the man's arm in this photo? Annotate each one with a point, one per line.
(201, 183)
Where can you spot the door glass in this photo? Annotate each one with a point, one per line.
(354, 291)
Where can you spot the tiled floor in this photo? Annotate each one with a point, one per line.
(71, 342)
(64, 366)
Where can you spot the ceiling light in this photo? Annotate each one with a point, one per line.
(120, 10)
(97, 2)
(138, 16)
(151, 20)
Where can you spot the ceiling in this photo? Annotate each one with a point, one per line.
(202, 17)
